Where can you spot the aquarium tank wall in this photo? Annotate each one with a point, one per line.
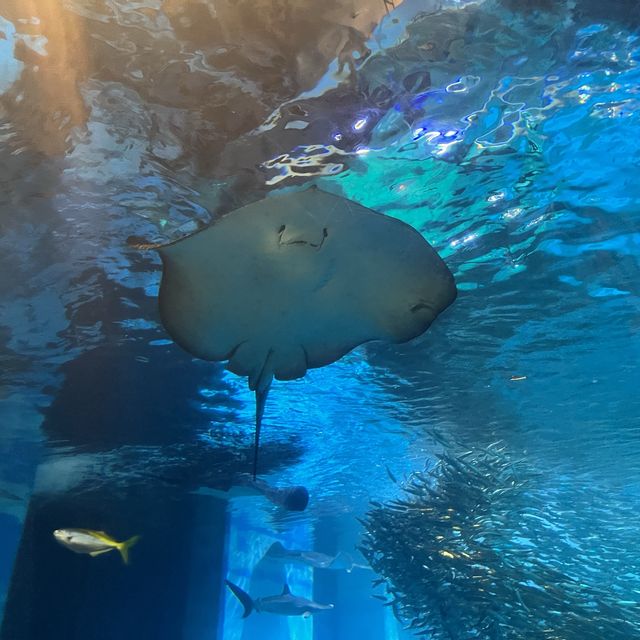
(319, 320)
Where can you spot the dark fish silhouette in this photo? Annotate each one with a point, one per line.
(314, 559)
(295, 498)
(285, 604)
(7, 495)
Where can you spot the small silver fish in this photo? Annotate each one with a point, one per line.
(93, 543)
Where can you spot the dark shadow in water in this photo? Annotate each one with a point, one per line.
(125, 423)
(58, 594)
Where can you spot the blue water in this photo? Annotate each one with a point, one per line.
(505, 132)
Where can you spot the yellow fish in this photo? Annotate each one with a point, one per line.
(92, 542)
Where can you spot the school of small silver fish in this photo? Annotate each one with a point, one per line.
(483, 545)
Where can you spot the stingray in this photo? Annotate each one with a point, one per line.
(296, 281)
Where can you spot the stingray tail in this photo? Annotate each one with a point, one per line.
(261, 400)
(243, 596)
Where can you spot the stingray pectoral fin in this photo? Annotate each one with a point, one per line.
(255, 361)
(289, 363)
